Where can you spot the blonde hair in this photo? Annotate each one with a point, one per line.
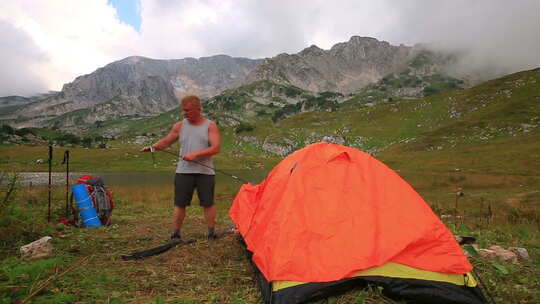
(191, 99)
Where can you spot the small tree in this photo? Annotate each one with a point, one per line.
(243, 127)
(87, 142)
(7, 129)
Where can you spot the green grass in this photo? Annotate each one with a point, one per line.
(483, 141)
(217, 272)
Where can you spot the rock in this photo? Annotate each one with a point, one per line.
(495, 248)
(522, 253)
(41, 248)
(334, 139)
(507, 256)
(465, 240)
(486, 253)
(39, 161)
(503, 254)
(137, 86)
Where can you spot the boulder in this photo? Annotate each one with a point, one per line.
(486, 253)
(522, 253)
(503, 254)
(41, 248)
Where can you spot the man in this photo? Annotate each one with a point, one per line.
(199, 140)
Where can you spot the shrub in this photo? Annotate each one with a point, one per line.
(278, 115)
(328, 94)
(24, 131)
(7, 129)
(69, 138)
(87, 142)
(291, 91)
(243, 127)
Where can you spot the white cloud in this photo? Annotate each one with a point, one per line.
(76, 37)
(499, 36)
(60, 40)
(22, 59)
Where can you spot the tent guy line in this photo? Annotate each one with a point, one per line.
(152, 149)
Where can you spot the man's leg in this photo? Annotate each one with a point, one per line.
(184, 185)
(210, 216)
(179, 213)
(205, 191)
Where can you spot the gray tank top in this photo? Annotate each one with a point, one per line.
(193, 138)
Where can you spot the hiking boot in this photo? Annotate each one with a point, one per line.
(175, 237)
(212, 237)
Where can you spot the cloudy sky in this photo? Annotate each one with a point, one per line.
(45, 44)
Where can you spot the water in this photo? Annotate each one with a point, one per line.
(32, 179)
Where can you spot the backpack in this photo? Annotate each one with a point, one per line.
(101, 198)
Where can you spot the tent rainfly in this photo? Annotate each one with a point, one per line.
(329, 217)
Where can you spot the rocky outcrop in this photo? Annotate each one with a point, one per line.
(147, 86)
(346, 67)
(9, 101)
(139, 86)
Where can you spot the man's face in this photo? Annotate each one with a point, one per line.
(191, 112)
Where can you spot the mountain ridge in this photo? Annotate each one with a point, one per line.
(144, 86)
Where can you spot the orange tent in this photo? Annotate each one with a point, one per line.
(327, 212)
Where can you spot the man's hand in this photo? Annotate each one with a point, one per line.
(190, 156)
(146, 149)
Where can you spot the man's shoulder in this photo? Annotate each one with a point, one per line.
(212, 124)
(177, 126)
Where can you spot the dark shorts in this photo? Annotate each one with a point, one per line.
(185, 184)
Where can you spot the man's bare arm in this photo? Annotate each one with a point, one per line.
(215, 145)
(168, 140)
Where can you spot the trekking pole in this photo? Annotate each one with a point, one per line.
(152, 150)
(66, 161)
(220, 171)
(458, 195)
(50, 168)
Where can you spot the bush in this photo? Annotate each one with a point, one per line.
(291, 91)
(279, 114)
(244, 127)
(24, 131)
(328, 94)
(261, 112)
(227, 103)
(7, 129)
(430, 91)
(87, 142)
(69, 138)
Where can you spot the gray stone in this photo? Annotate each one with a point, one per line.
(136, 86)
(486, 253)
(522, 253)
(503, 254)
(346, 67)
(41, 248)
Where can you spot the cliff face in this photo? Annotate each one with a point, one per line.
(138, 86)
(345, 68)
(147, 86)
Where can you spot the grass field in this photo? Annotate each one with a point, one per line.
(482, 141)
(218, 272)
(125, 159)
